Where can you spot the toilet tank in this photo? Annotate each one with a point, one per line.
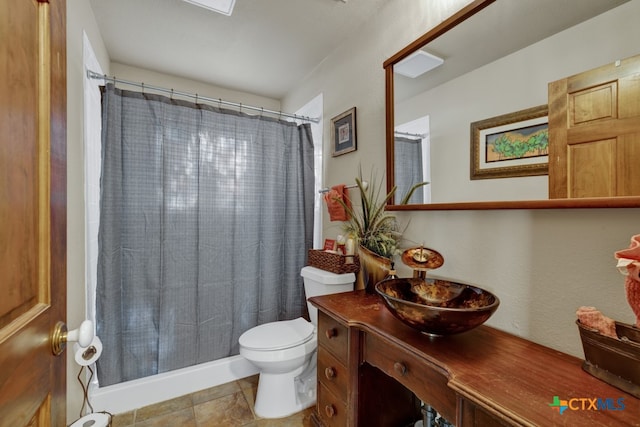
(321, 282)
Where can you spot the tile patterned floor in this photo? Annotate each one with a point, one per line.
(227, 405)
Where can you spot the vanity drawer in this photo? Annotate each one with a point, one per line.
(332, 373)
(332, 336)
(331, 410)
(426, 381)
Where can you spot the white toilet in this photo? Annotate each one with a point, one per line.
(285, 351)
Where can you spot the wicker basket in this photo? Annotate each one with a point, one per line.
(334, 263)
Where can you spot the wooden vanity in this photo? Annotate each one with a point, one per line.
(373, 371)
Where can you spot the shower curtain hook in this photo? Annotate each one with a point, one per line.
(220, 103)
(171, 97)
(196, 98)
(241, 107)
(142, 84)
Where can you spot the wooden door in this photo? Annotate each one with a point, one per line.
(594, 132)
(32, 211)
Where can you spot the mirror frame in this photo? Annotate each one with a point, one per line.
(446, 25)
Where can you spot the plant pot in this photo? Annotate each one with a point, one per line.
(614, 361)
(373, 268)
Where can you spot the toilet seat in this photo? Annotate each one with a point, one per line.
(277, 335)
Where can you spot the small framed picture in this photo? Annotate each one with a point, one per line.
(329, 245)
(343, 132)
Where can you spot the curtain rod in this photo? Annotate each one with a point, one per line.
(420, 135)
(240, 106)
(365, 185)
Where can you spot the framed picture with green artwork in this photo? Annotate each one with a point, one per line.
(511, 145)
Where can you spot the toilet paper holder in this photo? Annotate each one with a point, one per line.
(61, 335)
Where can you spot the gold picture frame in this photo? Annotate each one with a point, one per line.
(343, 133)
(511, 145)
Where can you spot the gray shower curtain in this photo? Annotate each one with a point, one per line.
(206, 216)
(408, 167)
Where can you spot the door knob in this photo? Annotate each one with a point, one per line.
(61, 336)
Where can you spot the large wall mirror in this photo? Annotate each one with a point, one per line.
(493, 59)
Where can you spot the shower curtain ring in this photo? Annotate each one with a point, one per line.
(171, 94)
(196, 98)
(142, 84)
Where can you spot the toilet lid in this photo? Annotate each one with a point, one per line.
(277, 335)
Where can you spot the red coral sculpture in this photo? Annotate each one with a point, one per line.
(629, 260)
(592, 318)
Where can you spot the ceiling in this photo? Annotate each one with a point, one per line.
(266, 47)
(498, 30)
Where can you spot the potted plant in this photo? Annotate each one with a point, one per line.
(375, 230)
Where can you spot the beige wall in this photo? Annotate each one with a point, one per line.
(353, 76)
(153, 78)
(543, 264)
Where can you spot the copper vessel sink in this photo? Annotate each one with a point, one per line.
(437, 307)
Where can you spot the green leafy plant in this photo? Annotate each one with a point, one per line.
(517, 146)
(372, 226)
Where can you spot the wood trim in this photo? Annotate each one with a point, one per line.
(58, 195)
(596, 76)
(353, 362)
(603, 129)
(389, 130)
(44, 137)
(595, 202)
(449, 23)
(558, 104)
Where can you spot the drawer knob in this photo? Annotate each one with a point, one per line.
(330, 410)
(330, 373)
(331, 333)
(400, 368)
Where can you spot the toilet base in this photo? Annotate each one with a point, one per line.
(281, 395)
